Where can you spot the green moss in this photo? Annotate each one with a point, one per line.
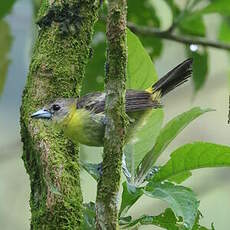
(55, 193)
(57, 69)
(117, 121)
(67, 16)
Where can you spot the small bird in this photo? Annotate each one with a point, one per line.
(83, 120)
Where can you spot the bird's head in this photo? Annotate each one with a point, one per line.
(56, 111)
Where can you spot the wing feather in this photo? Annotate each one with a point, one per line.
(135, 101)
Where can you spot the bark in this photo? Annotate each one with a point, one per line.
(57, 68)
(116, 122)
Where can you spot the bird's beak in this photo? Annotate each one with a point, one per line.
(43, 114)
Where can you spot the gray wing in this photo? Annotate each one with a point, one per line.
(93, 101)
(135, 101)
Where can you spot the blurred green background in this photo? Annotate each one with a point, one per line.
(17, 32)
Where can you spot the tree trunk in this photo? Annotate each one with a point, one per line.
(109, 184)
(57, 68)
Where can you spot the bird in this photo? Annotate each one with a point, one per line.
(83, 119)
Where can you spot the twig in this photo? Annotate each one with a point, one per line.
(150, 31)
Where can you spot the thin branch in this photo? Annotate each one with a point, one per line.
(150, 31)
(109, 183)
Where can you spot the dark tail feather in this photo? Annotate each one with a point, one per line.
(174, 78)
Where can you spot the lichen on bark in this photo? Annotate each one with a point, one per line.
(57, 68)
(116, 119)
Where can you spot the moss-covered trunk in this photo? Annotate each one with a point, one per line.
(108, 186)
(57, 68)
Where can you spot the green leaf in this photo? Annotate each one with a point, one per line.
(142, 13)
(129, 162)
(6, 6)
(200, 67)
(141, 71)
(94, 76)
(89, 216)
(193, 26)
(175, 126)
(217, 6)
(185, 20)
(181, 177)
(166, 220)
(130, 195)
(224, 33)
(166, 136)
(145, 137)
(197, 226)
(153, 45)
(5, 45)
(94, 80)
(125, 220)
(141, 75)
(193, 156)
(174, 8)
(182, 200)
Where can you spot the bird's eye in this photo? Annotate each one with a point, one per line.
(56, 107)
